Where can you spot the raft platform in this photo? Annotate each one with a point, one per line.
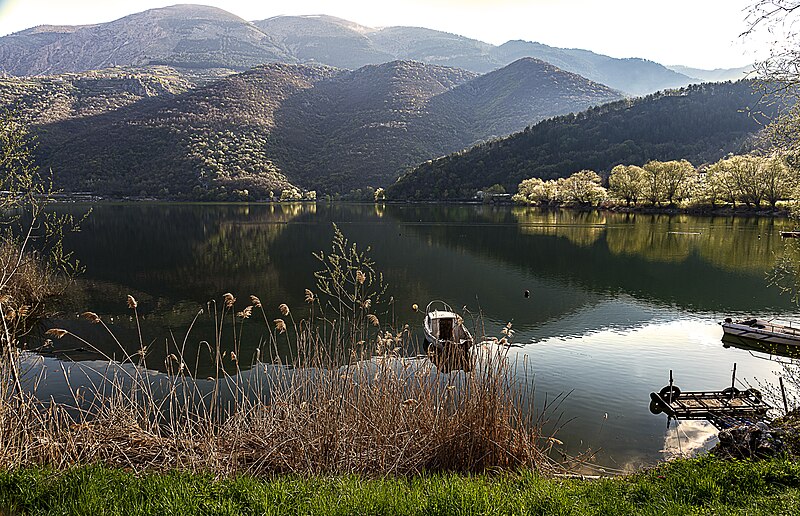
(723, 409)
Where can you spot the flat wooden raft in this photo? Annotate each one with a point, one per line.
(721, 408)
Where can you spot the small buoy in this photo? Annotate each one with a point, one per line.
(527, 294)
(415, 307)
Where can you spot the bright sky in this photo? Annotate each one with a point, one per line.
(697, 33)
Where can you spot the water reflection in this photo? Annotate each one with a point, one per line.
(616, 299)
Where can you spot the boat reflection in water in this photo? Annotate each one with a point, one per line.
(762, 336)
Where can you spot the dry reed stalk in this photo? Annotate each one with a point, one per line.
(336, 408)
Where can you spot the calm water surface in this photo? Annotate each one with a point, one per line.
(616, 300)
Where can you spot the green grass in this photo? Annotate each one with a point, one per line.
(702, 486)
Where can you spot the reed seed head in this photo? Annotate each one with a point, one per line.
(373, 319)
(233, 357)
(360, 277)
(366, 304)
(132, 303)
(56, 332)
(229, 299)
(284, 308)
(246, 313)
(11, 314)
(256, 302)
(309, 296)
(91, 317)
(280, 325)
(5, 298)
(23, 311)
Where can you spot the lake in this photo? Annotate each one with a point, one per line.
(616, 300)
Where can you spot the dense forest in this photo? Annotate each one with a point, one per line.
(162, 132)
(699, 123)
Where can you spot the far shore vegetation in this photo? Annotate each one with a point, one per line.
(749, 183)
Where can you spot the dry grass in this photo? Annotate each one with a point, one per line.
(338, 406)
(26, 284)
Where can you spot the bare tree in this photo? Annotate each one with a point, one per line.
(778, 75)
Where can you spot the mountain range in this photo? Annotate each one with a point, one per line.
(202, 37)
(153, 131)
(193, 102)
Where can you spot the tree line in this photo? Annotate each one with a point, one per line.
(749, 180)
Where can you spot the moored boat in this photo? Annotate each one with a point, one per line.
(750, 333)
(447, 338)
(790, 234)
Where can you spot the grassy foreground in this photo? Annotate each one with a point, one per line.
(702, 486)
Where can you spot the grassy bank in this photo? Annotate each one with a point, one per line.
(704, 486)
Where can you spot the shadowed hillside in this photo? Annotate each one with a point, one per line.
(698, 123)
(213, 142)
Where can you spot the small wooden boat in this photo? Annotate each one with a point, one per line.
(447, 338)
(790, 234)
(750, 332)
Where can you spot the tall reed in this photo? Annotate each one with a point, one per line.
(334, 408)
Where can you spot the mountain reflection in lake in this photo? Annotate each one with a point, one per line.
(617, 300)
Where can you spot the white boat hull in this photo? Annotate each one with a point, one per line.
(761, 335)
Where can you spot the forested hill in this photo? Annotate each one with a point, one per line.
(211, 142)
(510, 99)
(698, 123)
(363, 128)
(154, 132)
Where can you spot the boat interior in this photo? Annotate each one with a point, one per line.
(445, 327)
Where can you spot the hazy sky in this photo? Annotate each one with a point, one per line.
(699, 33)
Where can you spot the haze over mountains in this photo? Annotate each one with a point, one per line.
(206, 37)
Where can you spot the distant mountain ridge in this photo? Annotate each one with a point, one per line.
(186, 35)
(716, 75)
(198, 37)
(277, 126)
(633, 76)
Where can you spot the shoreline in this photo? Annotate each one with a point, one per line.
(726, 211)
